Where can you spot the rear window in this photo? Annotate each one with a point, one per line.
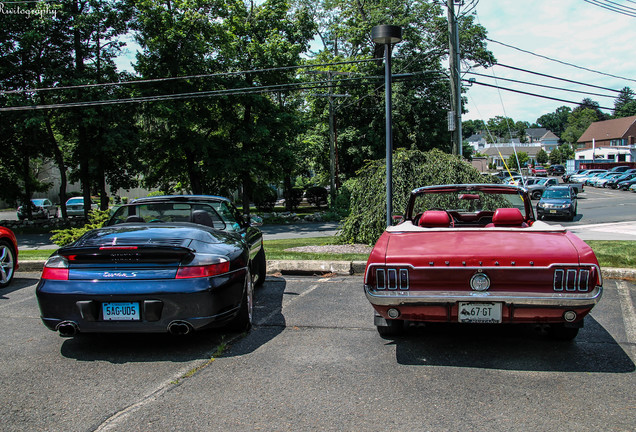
(200, 213)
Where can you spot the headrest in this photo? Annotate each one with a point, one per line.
(202, 217)
(434, 219)
(507, 217)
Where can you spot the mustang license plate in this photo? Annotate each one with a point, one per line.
(120, 311)
(479, 313)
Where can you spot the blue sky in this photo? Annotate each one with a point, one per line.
(573, 31)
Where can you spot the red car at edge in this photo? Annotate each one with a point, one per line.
(475, 254)
(8, 256)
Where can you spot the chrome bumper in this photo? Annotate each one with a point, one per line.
(413, 298)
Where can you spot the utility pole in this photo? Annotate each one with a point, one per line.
(333, 145)
(455, 115)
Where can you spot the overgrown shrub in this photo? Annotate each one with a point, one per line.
(317, 196)
(341, 205)
(264, 198)
(411, 169)
(96, 219)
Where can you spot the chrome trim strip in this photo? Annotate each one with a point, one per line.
(392, 277)
(574, 277)
(399, 298)
(474, 268)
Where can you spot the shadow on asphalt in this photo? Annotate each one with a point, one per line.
(510, 347)
(135, 348)
(16, 284)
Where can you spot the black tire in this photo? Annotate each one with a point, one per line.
(537, 195)
(394, 328)
(563, 333)
(261, 268)
(243, 321)
(7, 263)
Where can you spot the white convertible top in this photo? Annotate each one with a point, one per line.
(537, 226)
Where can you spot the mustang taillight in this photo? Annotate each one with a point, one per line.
(55, 268)
(392, 278)
(203, 266)
(575, 279)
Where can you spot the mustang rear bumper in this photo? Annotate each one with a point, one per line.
(414, 298)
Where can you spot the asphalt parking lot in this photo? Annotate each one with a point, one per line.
(314, 361)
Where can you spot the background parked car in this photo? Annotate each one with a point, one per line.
(613, 183)
(536, 190)
(558, 201)
(626, 184)
(580, 178)
(75, 207)
(566, 177)
(556, 170)
(8, 256)
(41, 208)
(539, 171)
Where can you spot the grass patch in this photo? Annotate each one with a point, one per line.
(614, 253)
(34, 255)
(275, 250)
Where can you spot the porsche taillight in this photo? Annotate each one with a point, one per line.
(203, 266)
(55, 268)
(575, 279)
(391, 278)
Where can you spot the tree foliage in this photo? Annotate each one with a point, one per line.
(411, 169)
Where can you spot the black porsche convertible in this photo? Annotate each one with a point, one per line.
(174, 264)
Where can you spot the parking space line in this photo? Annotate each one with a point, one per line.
(629, 316)
(279, 310)
(13, 303)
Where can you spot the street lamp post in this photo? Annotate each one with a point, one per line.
(388, 35)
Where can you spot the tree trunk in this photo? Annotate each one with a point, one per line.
(61, 166)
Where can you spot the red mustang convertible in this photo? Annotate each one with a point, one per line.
(475, 254)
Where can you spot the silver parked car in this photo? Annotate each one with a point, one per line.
(75, 207)
(41, 208)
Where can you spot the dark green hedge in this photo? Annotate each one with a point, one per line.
(411, 169)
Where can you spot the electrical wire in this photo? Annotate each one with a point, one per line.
(533, 94)
(545, 86)
(560, 61)
(614, 7)
(156, 80)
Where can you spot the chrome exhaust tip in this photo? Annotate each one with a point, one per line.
(179, 328)
(67, 328)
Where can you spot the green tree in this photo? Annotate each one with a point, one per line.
(411, 169)
(556, 122)
(578, 121)
(471, 127)
(625, 104)
(523, 160)
(542, 157)
(420, 100)
(502, 127)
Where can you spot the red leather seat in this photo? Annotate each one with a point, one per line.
(435, 219)
(507, 217)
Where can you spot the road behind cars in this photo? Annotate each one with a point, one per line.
(315, 362)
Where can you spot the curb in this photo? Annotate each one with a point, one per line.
(310, 267)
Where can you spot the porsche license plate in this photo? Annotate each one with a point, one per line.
(479, 313)
(125, 311)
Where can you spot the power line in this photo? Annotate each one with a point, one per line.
(533, 94)
(614, 7)
(560, 61)
(557, 78)
(156, 80)
(543, 85)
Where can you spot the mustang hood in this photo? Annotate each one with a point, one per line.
(459, 248)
